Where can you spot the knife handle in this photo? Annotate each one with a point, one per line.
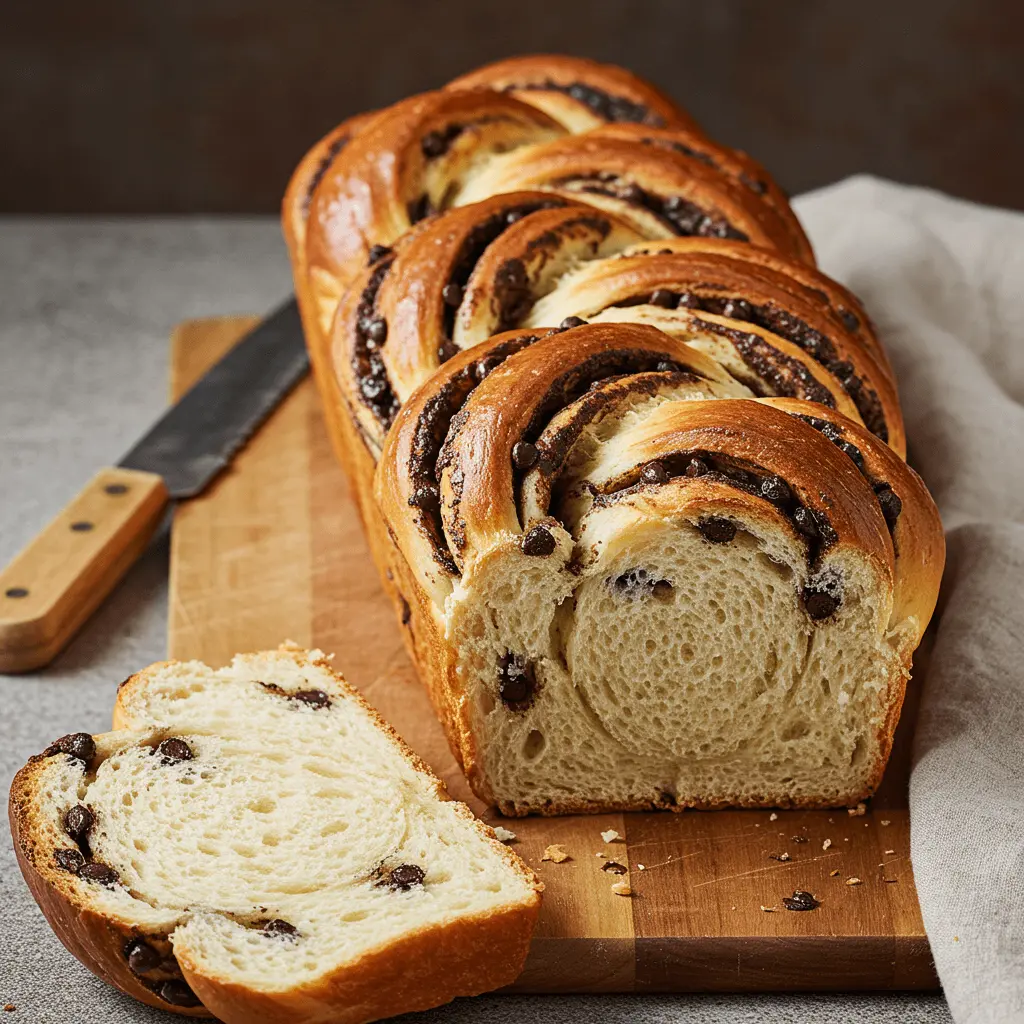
(57, 582)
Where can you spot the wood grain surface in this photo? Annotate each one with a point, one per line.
(274, 551)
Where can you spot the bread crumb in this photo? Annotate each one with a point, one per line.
(956, 938)
(555, 853)
(859, 811)
(641, 867)
(503, 835)
(854, 881)
(600, 854)
(767, 910)
(773, 816)
(610, 836)
(825, 845)
(832, 874)
(778, 856)
(885, 821)
(890, 851)
(733, 908)
(622, 888)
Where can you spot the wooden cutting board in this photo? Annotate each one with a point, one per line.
(274, 551)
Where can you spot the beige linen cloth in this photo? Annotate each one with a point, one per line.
(944, 281)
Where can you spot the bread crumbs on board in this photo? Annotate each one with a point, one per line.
(556, 854)
(503, 835)
(622, 888)
(854, 880)
(610, 836)
(825, 845)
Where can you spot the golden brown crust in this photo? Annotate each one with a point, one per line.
(422, 969)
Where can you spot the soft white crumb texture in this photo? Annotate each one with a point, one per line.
(285, 812)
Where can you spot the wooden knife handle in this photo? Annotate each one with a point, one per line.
(59, 580)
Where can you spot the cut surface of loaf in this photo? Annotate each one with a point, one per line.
(255, 843)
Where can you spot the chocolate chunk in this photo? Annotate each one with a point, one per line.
(666, 367)
(891, 504)
(141, 956)
(405, 876)
(376, 329)
(69, 860)
(853, 451)
(688, 301)
(570, 322)
(803, 519)
(426, 496)
(406, 611)
(95, 871)
(850, 320)
(819, 603)
(524, 455)
(776, 490)
(654, 473)
(75, 744)
(516, 681)
(452, 294)
(664, 298)
(174, 749)
(484, 366)
(281, 928)
(513, 215)
(419, 209)
(614, 867)
(538, 541)
(631, 193)
(737, 309)
(800, 900)
(377, 252)
(433, 144)
(717, 530)
(446, 350)
(177, 993)
(77, 822)
(696, 467)
(314, 698)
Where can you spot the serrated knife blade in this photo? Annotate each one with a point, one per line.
(56, 583)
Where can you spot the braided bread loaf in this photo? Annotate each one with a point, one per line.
(630, 465)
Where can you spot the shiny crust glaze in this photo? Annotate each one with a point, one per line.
(560, 86)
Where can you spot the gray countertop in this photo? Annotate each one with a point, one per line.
(86, 308)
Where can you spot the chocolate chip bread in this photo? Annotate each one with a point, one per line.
(256, 844)
(630, 465)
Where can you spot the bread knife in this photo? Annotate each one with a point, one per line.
(54, 585)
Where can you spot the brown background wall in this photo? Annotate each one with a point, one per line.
(117, 106)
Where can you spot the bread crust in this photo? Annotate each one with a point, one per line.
(422, 969)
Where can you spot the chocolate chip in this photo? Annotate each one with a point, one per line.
(95, 871)
(524, 454)
(664, 298)
(174, 749)
(819, 603)
(688, 301)
(406, 611)
(75, 744)
(513, 215)
(376, 329)
(570, 322)
(631, 193)
(433, 144)
(77, 821)
(850, 320)
(654, 473)
(516, 681)
(377, 252)
(538, 541)
(314, 698)
(484, 366)
(853, 451)
(141, 956)
(717, 530)
(737, 309)
(405, 876)
(69, 860)
(800, 900)
(614, 867)
(452, 294)
(803, 519)
(666, 367)
(279, 927)
(418, 209)
(696, 467)
(891, 504)
(177, 993)
(776, 490)
(426, 496)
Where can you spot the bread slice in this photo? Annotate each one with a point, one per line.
(256, 844)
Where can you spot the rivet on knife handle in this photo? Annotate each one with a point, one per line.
(57, 582)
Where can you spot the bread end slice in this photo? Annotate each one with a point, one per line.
(256, 843)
